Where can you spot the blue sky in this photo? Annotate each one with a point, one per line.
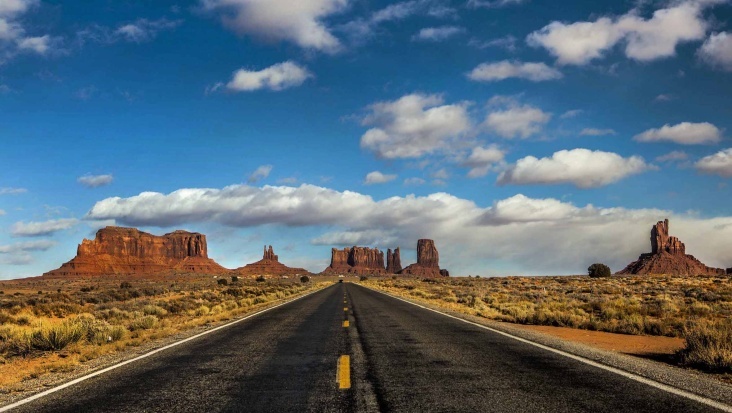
(525, 138)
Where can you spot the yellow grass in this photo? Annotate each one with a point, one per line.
(696, 308)
(51, 325)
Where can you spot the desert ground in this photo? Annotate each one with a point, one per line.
(57, 324)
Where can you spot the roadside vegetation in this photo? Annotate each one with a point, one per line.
(698, 309)
(54, 325)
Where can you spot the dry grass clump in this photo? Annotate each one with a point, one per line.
(708, 345)
(81, 319)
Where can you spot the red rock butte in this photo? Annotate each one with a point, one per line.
(363, 260)
(129, 251)
(428, 261)
(668, 256)
(269, 265)
(356, 260)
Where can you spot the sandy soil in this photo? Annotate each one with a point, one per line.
(644, 346)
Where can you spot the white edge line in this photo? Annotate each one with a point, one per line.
(632, 376)
(148, 354)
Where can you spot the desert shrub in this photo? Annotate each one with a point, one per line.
(234, 292)
(145, 322)
(708, 345)
(234, 278)
(598, 270)
(154, 310)
(304, 279)
(364, 278)
(57, 337)
(261, 279)
(222, 281)
(202, 311)
(15, 342)
(125, 285)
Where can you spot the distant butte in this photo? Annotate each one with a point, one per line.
(128, 251)
(428, 261)
(269, 265)
(668, 256)
(356, 260)
(363, 260)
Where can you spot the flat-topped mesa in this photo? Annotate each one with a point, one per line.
(356, 260)
(269, 265)
(129, 251)
(393, 261)
(668, 256)
(428, 261)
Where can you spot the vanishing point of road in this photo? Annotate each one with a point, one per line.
(347, 348)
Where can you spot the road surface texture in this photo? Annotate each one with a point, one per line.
(401, 358)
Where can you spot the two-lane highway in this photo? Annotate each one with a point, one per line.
(398, 357)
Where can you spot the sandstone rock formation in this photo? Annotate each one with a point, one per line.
(428, 261)
(393, 261)
(128, 251)
(668, 256)
(356, 260)
(269, 265)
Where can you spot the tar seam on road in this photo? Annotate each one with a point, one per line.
(343, 372)
(641, 379)
(148, 354)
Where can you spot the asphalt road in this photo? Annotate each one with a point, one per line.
(402, 359)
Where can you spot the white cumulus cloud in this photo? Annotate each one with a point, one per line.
(717, 51)
(276, 77)
(377, 177)
(481, 159)
(645, 39)
(414, 125)
(438, 34)
(260, 173)
(718, 164)
(35, 229)
(505, 69)
(300, 22)
(581, 167)
(517, 121)
(93, 181)
(563, 237)
(596, 132)
(685, 133)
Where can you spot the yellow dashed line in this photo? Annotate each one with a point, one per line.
(345, 323)
(345, 308)
(343, 372)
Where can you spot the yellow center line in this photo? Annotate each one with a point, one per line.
(345, 323)
(343, 372)
(345, 308)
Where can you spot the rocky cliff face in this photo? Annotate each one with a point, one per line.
(428, 261)
(269, 265)
(393, 261)
(128, 251)
(668, 256)
(356, 260)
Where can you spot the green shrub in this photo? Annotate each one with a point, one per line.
(304, 279)
(364, 278)
(125, 285)
(261, 279)
(598, 270)
(222, 281)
